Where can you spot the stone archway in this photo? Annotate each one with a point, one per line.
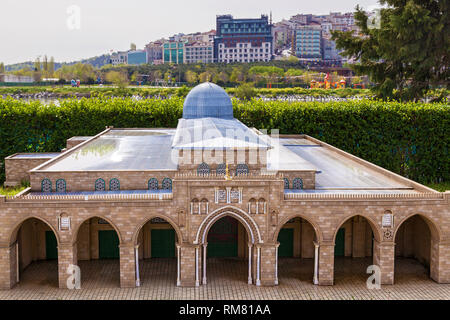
(97, 242)
(253, 235)
(417, 254)
(296, 257)
(156, 257)
(34, 252)
(356, 240)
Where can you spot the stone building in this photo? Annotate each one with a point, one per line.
(214, 188)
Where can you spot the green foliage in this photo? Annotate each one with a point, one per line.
(11, 191)
(408, 54)
(412, 139)
(441, 187)
(245, 91)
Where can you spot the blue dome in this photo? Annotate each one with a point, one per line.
(207, 100)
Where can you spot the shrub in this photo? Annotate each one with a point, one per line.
(412, 139)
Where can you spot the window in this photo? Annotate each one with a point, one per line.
(166, 184)
(242, 169)
(203, 169)
(60, 185)
(100, 185)
(286, 183)
(153, 184)
(221, 169)
(114, 185)
(297, 184)
(46, 185)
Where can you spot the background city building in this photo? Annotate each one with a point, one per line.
(243, 40)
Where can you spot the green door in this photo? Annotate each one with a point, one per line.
(339, 247)
(51, 246)
(163, 243)
(286, 240)
(108, 244)
(223, 238)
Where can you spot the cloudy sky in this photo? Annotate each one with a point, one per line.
(32, 28)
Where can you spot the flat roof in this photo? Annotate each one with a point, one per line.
(338, 172)
(121, 149)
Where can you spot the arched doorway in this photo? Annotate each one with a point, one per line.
(228, 248)
(36, 254)
(413, 245)
(353, 249)
(296, 251)
(157, 253)
(98, 253)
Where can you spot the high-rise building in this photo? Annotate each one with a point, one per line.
(119, 58)
(308, 42)
(243, 40)
(173, 52)
(137, 57)
(199, 52)
(154, 52)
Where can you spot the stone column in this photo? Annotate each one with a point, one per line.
(187, 263)
(384, 257)
(138, 278)
(67, 255)
(326, 263)
(267, 253)
(316, 263)
(440, 261)
(250, 258)
(127, 265)
(205, 245)
(8, 265)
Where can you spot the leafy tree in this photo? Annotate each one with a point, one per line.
(238, 75)
(246, 91)
(408, 53)
(191, 76)
(2, 67)
(51, 67)
(133, 47)
(119, 79)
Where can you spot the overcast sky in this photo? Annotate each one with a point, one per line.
(32, 28)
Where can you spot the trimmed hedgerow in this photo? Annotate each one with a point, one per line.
(411, 139)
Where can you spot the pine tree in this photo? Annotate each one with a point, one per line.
(408, 53)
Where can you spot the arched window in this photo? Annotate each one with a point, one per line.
(195, 206)
(46, 186)
(241, 169)
(221, 169)
(203, 169)
(297, 183)
(252, 206)
(114, 184)
(60, 185)
(100, 185)
(261, 206)
(166, 184)
(204, 207)
(153, 184)
(286, 183)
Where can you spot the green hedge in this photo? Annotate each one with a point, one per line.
(411, 139)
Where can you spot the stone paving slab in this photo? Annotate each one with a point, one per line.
(227, 279)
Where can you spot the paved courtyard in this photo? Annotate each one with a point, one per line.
(227, 280)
